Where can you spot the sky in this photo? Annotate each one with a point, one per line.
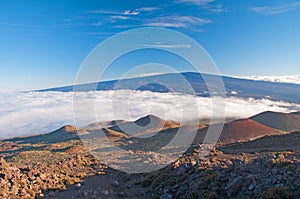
(43, 43)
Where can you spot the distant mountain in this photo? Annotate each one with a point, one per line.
(146, 125)
(151, 129)
(240, 131)
(104, 124)
(139, 125)
(282, 121)
(174, 82)
(119, 132)
(143, 134)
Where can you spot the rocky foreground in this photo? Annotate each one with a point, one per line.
(219, 175)
(34, 180)
(268, 175)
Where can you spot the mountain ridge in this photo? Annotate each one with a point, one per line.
(235, 87)
(141, 130)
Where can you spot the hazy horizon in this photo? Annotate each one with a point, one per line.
(292, 79)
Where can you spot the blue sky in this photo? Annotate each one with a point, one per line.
(43, 43)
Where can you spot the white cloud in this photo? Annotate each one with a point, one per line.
(131, 12)
(145, 74)
(125, 12)
(148, 9)
(195, 2)
(159, 45)
(122, 26)
(35, 113)
(217, 8)
(206, 4)
(293, 79)
(177, 21)
(114, 16)
(119, 17)
(273, 10)
(166, 24)
(141, 17)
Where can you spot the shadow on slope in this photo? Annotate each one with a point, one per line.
(63, 134)
(274, 143)
(282, 121)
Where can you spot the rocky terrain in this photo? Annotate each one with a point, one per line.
(266, 175)
(251, 160)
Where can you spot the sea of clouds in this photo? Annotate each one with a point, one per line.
(293, 79)
(27, 113)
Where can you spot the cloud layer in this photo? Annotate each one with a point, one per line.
(36, 113)
(294, 79)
